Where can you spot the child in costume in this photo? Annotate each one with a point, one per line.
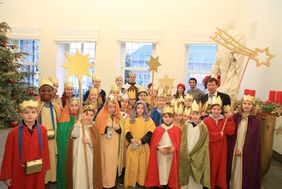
(95, 100)
(187, 107)
(56, 97)
(164, 153)
(218, 127)
(138, 131)
(83, 166)
(244, 149)
(67, 120)
(96, 83)
(68, 93)
(49, 115)
(178, 114)
(143, 95)
(194, 165)
(156, 113)
(108, 125)
(26, 143)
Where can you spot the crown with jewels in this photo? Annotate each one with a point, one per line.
(178, 109)
(114, 87)
(28, 103)
(73, 99)
(89, 107)
(68, 84)
(96, 78)
(142, 89)
(93, 90)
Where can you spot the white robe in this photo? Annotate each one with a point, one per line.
(79, 167)
(237, 166)
(193, 135)
(164, 161)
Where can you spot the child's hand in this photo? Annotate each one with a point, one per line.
(163, 150)
(8, 182)
(237, 152)
(171, 150)
(85, 141)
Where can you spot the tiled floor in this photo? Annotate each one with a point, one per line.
(272, 180)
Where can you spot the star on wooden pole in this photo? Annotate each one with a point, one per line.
(166, 82)
(153, 63)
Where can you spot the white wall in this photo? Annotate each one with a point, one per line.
(172, 18)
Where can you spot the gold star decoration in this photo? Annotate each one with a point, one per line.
(263, 55)
(166, 82)
(78, 65)
(153, 63)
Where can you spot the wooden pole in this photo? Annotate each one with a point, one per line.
(83, 135)
(151, 103)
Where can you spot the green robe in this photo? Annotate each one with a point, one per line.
(196, 163)
(63, 131)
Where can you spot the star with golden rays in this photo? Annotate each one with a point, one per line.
(78, 65)
(153, 63)
(166, 82)
(263, 56)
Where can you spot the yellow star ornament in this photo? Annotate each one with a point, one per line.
(262, 56)
(78, 65)
(166, 82)
(153, 63)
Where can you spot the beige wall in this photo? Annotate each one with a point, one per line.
(176, 21)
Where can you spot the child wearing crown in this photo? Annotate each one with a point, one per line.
(178, 114)
(49, 115)
(83, 165)
(108, 125)
(95, 100)
(26, 144)
(156, 113)
(67, 120)
(164, 153)
(194, 165)
(219, 127)
(68, 93)
(244, 149)
(138, 131)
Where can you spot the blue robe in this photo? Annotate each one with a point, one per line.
(156, 116)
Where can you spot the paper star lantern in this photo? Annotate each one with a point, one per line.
(78, 65)
(153, 63)
(166, 82)
(263, 55)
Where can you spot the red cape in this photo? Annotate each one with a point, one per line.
(12, 165)
(152, 178)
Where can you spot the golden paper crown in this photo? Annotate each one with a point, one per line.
(180, 99)
(132, 73)
(249, 98)
(73, 99)
(28, 103)
(96, 78)
(142, 89)
(131, 94)
(53, 80)
(161, 94)
(125, 97)
(89, 107)
(196, 107)
(189, 96)
(168, 109)
(114, 87)
(68, 84)
(187, 111)
(178, 109)
(155, 87)
(93, 90)
(227, 108)
(45, 82)
(216, 100)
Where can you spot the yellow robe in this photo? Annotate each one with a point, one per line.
(137, 159)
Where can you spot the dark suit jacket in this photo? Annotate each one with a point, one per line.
(224, 97)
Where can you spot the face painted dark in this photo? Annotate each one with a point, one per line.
(45, 93)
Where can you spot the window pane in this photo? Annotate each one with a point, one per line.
(200, 60)
(136, 55)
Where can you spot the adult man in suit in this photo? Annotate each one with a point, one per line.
(212, 85)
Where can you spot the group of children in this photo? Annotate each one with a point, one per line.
(132, 136)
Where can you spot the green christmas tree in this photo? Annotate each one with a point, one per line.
(13, 88)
